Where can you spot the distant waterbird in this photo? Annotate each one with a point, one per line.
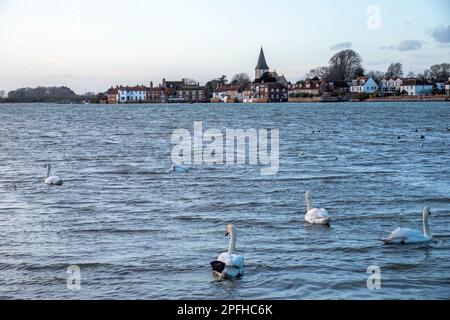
(409, 236)
(229, 264)
(314, 215)
(51, 180)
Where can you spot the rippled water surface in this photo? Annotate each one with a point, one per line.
(138, 232)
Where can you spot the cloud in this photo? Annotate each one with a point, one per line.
(405, 45)
(341, 46)
(441, 34)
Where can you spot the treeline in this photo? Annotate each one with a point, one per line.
(348, 64)
(43, 94)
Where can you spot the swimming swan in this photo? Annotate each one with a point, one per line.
(408, 236)
(315, 216)
(51, 180)
(229, 264)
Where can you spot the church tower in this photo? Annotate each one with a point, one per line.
(262, 66)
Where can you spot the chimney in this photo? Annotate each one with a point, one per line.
(151, 84)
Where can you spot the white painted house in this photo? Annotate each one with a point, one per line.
(414, 87)
(132, 94)
(364, 85)
(388, 86)
(447, 87)
(391, 85)
(228, 94)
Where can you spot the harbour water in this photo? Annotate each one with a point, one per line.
(139, 232)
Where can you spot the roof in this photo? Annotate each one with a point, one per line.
(262, 64)
(112, 91)
(193, 88)
(271, 85)
(282, 79)
(136, 88)
(313, 84)
(415, 82)
(228, 88)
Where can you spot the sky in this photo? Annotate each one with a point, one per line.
(92, 45)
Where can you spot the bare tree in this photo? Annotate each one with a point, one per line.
(421, 77)
(395, 70)
(377, 75)
(2, 94)
(411, 75)
(241, 79)
(319, 73)
(222, 80)
(43, 94)
(345, 66)
(438, 73)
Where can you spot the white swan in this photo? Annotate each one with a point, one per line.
(51, 180)
(229, 264)
(409, 236)
(315, 216)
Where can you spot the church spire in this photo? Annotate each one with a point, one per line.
(262, 66)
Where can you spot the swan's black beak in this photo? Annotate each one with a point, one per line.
(227, 233)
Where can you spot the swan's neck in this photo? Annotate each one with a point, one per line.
(47, 174)
(308, 202)
(232, 248)
(426, 226)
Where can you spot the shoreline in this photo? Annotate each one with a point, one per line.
(291, 100)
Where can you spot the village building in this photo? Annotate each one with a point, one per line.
(132, 94)
(112, 95)
(364, 85)
(268, 92)
(192, 94)
(228, 94)
(415, 87)
(307, 87)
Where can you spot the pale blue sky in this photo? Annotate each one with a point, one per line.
(92, 45)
